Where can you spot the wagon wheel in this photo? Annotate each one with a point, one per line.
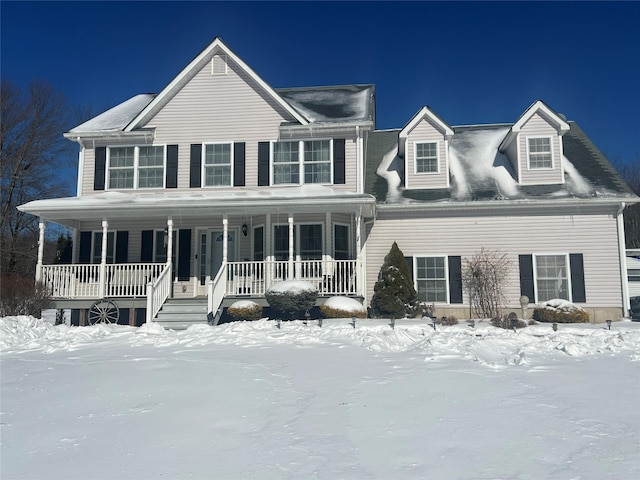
(104, 311)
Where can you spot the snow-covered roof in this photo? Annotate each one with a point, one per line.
(343, 103)
(114, 204)
(480, 172)
(116, 118)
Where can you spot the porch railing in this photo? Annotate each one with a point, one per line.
(83, 281)
(158, 292)
(330, 277)
(216, 290)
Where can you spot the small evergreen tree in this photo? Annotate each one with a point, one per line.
(394, 294)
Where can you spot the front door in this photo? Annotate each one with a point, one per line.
(210, 246)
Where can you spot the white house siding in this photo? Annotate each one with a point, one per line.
(538, 126)
(512, 154)
(590, 231)
(425, 131)
(220, 108)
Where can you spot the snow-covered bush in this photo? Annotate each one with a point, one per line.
(505, 322)
(343, 307)
(560, 311)
(485, 277)
(394, 294)
(450, 320)
(292, 297)
(245, 310)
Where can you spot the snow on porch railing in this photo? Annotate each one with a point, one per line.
(330, 277)
(158, 292)
(216, 290)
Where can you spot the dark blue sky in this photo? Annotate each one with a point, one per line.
(470, 62)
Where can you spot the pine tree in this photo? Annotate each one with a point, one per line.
(394, 294)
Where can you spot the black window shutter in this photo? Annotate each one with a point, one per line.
(409, 261)
(526, 277)
(339, 161)
(100, 168)
(146, 251)
(194, 166)
(122, 246)
(455, 279)
(263, 163)
(84, 255)
(238, 164)
(172, 166)
(578, 292)
(184, 254)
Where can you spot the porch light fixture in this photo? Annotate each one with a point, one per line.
(245, 229)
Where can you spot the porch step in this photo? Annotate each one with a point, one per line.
(181, 313)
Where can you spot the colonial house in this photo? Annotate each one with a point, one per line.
(220, 185)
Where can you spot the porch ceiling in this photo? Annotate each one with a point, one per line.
(123, 205)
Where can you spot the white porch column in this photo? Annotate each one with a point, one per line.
(169, 240)
(41, 226)
(225, 238)
(103, 259)
(291, 240)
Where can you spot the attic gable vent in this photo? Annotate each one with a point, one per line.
(219, 65)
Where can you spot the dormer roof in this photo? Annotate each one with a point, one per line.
(538, 106)
(424, 113)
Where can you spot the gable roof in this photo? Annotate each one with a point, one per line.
(215, 47)
(424, 112)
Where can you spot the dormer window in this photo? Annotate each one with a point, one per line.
(540, 153)
(427, 157)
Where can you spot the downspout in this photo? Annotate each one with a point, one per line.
(80, 168)
(623, 261)
(359, 163)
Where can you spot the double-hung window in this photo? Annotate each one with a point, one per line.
(317, 161)
(311, 158)
(286, 163)
(217, 165)
(540, 153)
(552, 277)
(427, 157)
(136, 167)
(431, 277)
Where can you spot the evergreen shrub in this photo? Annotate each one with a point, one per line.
(394, 294)
(245, 311)
(292, 297)
(560, 311)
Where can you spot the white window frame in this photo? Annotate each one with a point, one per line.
(550, 139)
(203, 170)
(136, 167)
(447, 299)
(415, 158)
(567, 269)
(301, 161)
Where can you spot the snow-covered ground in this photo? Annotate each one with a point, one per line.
(251, 401)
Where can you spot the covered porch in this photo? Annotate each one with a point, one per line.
(210, 245)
